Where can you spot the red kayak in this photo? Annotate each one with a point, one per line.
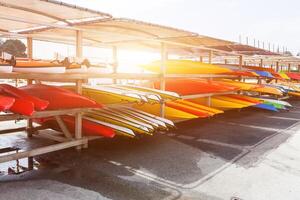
(193, 86)
(88, 127)
(59, 98)
(22, 107)
(39, 104)
(6, 102)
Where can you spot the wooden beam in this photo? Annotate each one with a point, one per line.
(43, 150)
(78, 128)
(277, 66)
(210, 56)
(115, 61)
(240, 62)
(261, 64)
(29, 48)
(63, 127)
(164, 58)
(78, 44)
(289, 67)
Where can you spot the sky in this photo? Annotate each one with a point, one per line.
(270, 21)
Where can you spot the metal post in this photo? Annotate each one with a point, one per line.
(115, 61)
(164, 57)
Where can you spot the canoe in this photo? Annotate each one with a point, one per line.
(164, 94)
(194, 86)
(39, 104)
(185, 67)
(137, 128)
(210, 110)
(88, 127)
(188, 109)
(59, 98)
(105, 95)
(6, 102)
(170, 113)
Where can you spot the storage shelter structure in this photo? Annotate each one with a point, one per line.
(54, 21)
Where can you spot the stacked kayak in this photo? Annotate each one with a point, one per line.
(39, 67)
(186, 67)
(118, 94)
(24, 103)
(180, 110)
(196, 86)
(5, 67)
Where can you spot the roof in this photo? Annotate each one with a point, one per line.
(26, 14)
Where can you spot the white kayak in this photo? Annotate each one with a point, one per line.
(51, 70)
(6, 69)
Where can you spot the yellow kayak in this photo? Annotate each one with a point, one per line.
(106, 95)
(220, 104)
(297, 94)
(241, 85)
(167, 95)
(283, 75)
(210, 110)
(170, 113)
(267, 90)
(235, 100)
(186, 67)
(137, 128)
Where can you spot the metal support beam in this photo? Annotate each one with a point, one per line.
(29, 48)
(78, 44)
